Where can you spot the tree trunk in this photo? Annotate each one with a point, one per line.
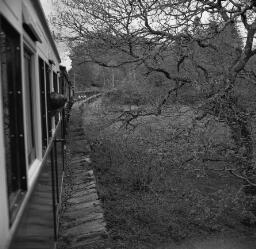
(238, 121)
(227, 109)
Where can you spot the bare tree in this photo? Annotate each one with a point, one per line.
(211, 42)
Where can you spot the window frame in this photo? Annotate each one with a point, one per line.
(30, 46)
(48, 89)
(29, 106)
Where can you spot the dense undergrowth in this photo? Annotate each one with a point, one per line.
(157, 178)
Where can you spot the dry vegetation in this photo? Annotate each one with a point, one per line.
(158, 178)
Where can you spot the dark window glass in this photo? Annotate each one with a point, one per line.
(43, 102)
(55, 84)
(61, 83)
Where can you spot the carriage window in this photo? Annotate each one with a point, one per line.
(48, 91)
(12, 115)
(55, 82)
(61, 84)
(55, 86)
(43, 103)
(29, 103)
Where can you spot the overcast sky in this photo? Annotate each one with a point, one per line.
(63, 50)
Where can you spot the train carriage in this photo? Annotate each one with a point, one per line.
(32, 127)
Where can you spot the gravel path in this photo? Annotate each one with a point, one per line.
(82, 221)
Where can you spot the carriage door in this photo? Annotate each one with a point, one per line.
(10, 59)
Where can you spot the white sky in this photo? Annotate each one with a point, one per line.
(62, 48)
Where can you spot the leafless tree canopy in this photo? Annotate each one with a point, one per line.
(146, 29)
(209, 41)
